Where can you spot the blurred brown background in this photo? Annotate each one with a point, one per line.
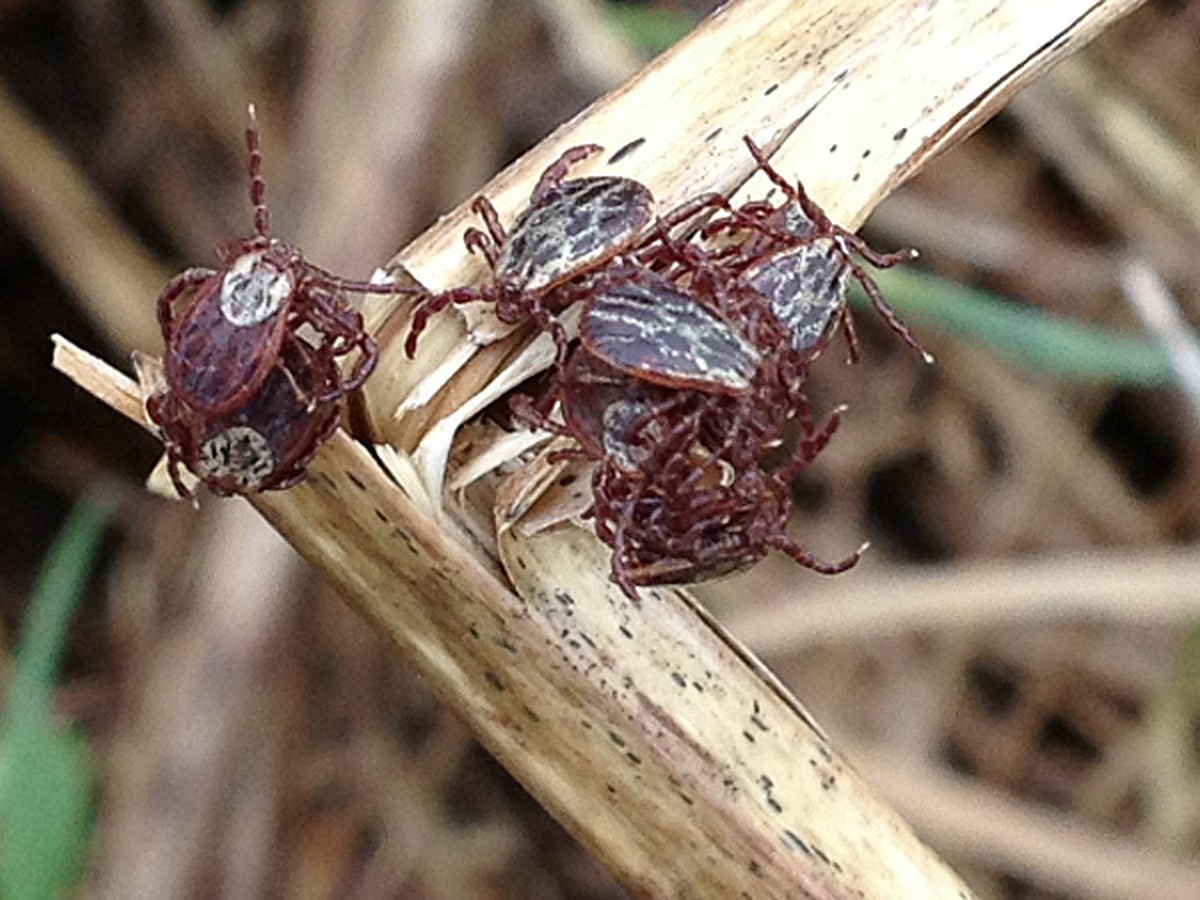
(251, 736)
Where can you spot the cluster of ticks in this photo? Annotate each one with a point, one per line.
(690, 362)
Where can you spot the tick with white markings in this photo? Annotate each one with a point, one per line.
(225, 329)
(266, 442)
(801, 262)
(570, 227)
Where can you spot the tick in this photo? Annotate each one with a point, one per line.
(264, 444)
(682, 491)
(801, 261)
(571, 228)
(640, 323)
(225, 329)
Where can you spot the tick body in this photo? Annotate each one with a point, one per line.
(641, 324)
(805, 287)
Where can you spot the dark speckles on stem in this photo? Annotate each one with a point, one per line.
(381, 516)
(748, 736)
(616, 739)
(564, 598)
(712, 135)
(402, 536)
(759, 723)
(531, 715)
(679, 679)
(899, 135)
(792, 841)
(857, 175)
(833, 148)
(626, 632)
(633, 758)
(506, 644)
(626, 150)
(767, 786)
(494, 680)
(769, 91)
(686, 799)
(356, 481)
(755, 869)
(866, 153)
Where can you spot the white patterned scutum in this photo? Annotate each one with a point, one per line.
(240, 453)
(252, 291)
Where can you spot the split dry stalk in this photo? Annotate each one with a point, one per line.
(659, 742)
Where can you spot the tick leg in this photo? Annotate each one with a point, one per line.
(176, 478)
(344, 328)
(850, 333)
(258, 191)
(874, 257)
(809, 447)
(786, 545)
(554, 174)
(548, 322)
(368, 357)
(691, 208)
(174, 290)
(531, 412)
(478, 242)
(884, 309)
(434, 304)
(483, 208)
(620, 570)
(794, 192)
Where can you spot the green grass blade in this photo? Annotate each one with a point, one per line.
(1036, 340)
(46, 778)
